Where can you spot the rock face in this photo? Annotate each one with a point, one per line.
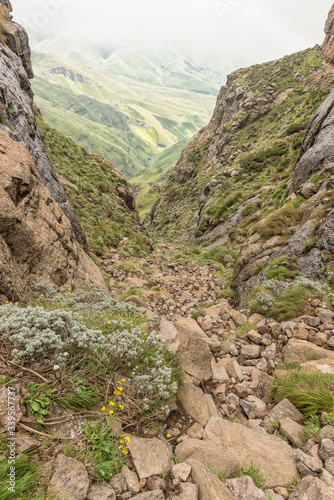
(18, 118)
(36, 239)
(328, 45)
(69, 478)
(150, 457)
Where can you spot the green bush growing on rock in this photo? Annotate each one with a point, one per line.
(255, 473)
(279, 271)
(296, 127)
(311, 393)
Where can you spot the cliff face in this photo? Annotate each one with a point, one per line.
(328, 45)
(40, 236)
(17, 116)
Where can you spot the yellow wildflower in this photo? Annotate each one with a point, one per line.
(42, 295)
(123, 380)
(168, 436)
(111, 403)
(69, 293)
(109, 322)
(111, 412)
(103, 409)
(7, 301)
(121, 407)
(121, 441)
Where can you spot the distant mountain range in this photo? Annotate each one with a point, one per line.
(130, 106)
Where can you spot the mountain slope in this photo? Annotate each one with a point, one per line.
(129, 114)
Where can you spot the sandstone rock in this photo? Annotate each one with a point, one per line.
(196, 431)
(156, 483)
(253, 406)
(69, 478)
(195, 353)
(326, 449)
(327, 432)
(37, 242)
(131, 480)
(207, 453)
(292, 431)
(243, 488)
(188, 491)
(327, 478)
(311, 488)
(250, 351)
(234, 370)
(181, 471)
(118, 483)
(99, 492)
(299, 351)
(327, 46)
(194, 403)
(255, 337)
(150, 495)
(325, 315)
(25, 443)
(329, 465)
(150, 456)
(246, 444)
(321, 365)
(311, 462)
(168, 333)
(282, 410)
(137, 301)
(219, 373)
(209, 486)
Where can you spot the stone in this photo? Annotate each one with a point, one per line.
(253, 407)
(25, 443)
(292, 431)
(270, 352)
(168, 333)
(70, 477)
(207, 453)
(219, 373)
(311, 488)
(241, 390)
(188, 491)
(234, 371)
(326, 449)
(156, 483)
(150, 456)
(118, 483)
(99, 492)
(195, 403)
(327, 478)
(250, 351)
(243, 488)
(300, 351)
(329, 465)
(311, 321)
(255, 337)
(282, 410)
(255, 318)
(283, 492)
(246, 444)
(194, 352)
(131, 480)
(311, 462)
(209, 486)
(150, 495)
(325, 315)
(327, 432)
(196, 431)
(181, 472)
(320, 365)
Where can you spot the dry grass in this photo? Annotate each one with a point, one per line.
(278, 222)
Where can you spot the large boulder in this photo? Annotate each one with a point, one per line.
(208, 454)
(300, 351)
(328, 45)
(246, 445)
(194, 352)
(37, 242)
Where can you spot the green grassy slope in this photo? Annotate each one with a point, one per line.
(94, 194)
(128, 121)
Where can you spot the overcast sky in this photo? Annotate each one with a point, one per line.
(258, 30)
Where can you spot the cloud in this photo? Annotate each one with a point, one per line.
(258, 30)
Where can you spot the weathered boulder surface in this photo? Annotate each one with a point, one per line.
(245, 444)
(69, 478)
(328, 45)
(37, 242)
(210, 487)
(300, 351)
(311, 488)
(150, 456)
